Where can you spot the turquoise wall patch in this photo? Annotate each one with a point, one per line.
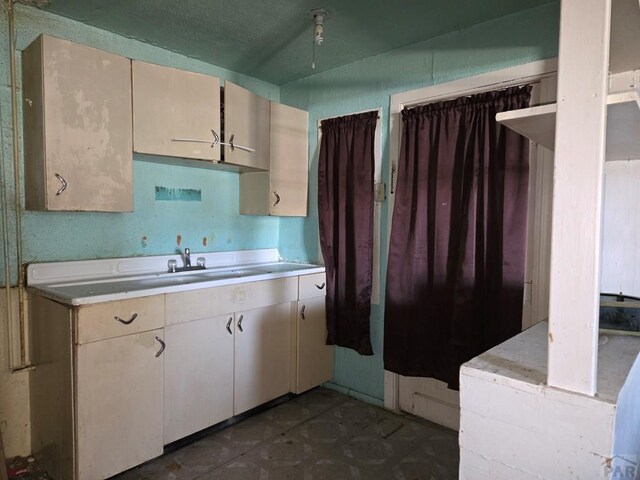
(178, 194)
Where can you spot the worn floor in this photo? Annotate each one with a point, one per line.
(319, 435)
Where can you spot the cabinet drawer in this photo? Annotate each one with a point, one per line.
(114, 319)
(210, 302)
(314, 285)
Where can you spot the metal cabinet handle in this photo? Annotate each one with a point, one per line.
(277, 199)
(233, 146)
(126, 322)
(216, 141)
(319, 287)
(162, 346)
(229, 326)
(302, 312)
(240, 323)
(63, 182)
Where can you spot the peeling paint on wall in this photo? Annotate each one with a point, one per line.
(178, 194)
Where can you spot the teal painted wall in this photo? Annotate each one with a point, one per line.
(516, 39)
(49, 236)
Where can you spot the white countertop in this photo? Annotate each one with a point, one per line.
(105, 280)
(523, 359)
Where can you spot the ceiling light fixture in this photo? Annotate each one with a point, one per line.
(318, 15)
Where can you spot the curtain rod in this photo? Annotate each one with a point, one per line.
(348, 115)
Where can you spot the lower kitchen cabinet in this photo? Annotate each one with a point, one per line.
(119, 403)
(262, 355)
(116, 381)
(198, 375)
(96, 408)
(315, 358)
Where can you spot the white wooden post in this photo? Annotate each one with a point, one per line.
(577, 201)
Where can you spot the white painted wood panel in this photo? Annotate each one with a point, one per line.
(119, 396)
(621, 228)
(577, 200)
(314, 356)
(430, 399)
(262, 355)
(623, 125)
(169, 103)
(100, 321)
(198, 376)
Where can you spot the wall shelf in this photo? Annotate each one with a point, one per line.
(623, 125)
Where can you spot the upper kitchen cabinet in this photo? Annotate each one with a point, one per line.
(281, 191)
(175, 112)
(77, 127)
(246, 128)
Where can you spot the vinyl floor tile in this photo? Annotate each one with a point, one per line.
(320, 435)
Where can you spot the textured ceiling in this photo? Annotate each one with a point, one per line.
(272, 39)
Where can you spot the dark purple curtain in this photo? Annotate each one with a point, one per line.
(345, 210)
(455, 274)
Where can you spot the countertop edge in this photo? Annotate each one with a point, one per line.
(51, 294)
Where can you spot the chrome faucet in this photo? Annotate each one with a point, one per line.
(186, 257)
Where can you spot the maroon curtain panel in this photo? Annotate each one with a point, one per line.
(455, 275)
(345, 210)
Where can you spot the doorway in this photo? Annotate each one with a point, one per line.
(426, 397)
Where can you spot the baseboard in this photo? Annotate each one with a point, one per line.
(355, 394)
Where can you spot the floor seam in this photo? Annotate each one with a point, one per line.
(268, 440)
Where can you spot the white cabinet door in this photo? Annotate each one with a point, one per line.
(246, 119)
(77, 128)
(262, 355)
(198, 375)
(281, 191)
(289, 161)
(119, 393)
(171, 104)
(314, 356)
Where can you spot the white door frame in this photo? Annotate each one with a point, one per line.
(527, 73)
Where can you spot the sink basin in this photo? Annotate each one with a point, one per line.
(281, 267)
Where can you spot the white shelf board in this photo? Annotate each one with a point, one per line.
(623, 125)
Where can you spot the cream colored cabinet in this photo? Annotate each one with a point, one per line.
(232, 367)
(246, 124)
(281, 191)
(116, 381)
(198, 375)
(174, 112)
(262, 355)
(98, 408)
(314, 357)
(119, 391)
(77, 127)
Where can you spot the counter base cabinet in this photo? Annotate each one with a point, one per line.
(198, 375)
(77, 128)
(106, 395)
(315, 357)
(119, 404)
(262, 355)
(96, 407)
